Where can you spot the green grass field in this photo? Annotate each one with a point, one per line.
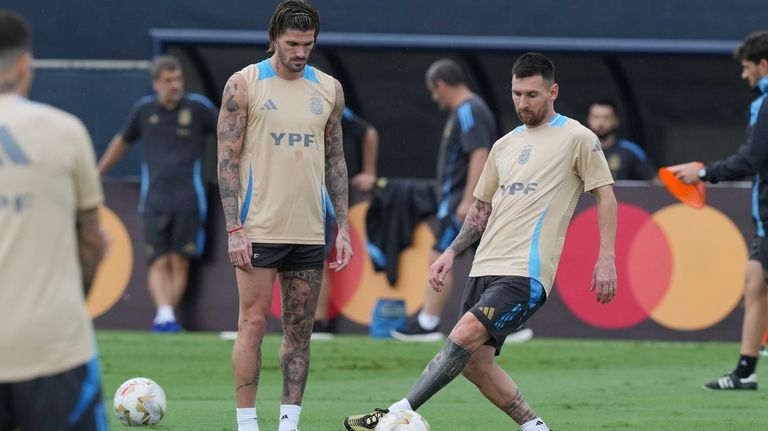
(575, 385)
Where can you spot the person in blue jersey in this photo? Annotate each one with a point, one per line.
(172, 127)
(751, 160)
(467, 138)
(626, 159)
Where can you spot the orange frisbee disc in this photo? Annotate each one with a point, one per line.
(692, 195)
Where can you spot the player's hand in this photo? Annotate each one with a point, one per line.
(440, 269)
(343, 251)
(240, 250)
(604, 280)
(363, 182)
(687, 172)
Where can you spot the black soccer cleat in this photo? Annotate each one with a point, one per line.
(364, 422)
(730, 382)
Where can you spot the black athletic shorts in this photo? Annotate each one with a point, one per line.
(180, 233)
(502, 304)
(69, 401)
(288, 257)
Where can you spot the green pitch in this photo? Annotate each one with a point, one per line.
(578, 385)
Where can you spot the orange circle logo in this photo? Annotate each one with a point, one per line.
(114, 271)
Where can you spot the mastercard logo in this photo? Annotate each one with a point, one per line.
(680, 267)
(114, 271)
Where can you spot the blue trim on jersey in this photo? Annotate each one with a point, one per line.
(754, 109)
(89, 390)
(310, 75)
(202, 204)
(348, 114)
(150, 98)
(329, 222)
(558, 120)
(377, 256)
(756, 207)
(248, 195)
(466, 120)
(12, 149)
(534, 263)
(265, 70)
(144, 186)
(100, 417)
(633, 148)
(762, 85)
(519, 130)
(202, 99)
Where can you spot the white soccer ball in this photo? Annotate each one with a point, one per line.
(139, 401)
(402, 420)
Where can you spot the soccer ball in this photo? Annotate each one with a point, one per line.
(402, 420)
(139, 401)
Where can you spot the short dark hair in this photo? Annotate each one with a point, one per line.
(606, 102)
(164, 62)
(532, 64)
(446, 70)
(754, 47)
(15, 34)
(296, 14)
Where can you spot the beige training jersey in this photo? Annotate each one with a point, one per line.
(47, 174)
(533, 178)
(282, 163)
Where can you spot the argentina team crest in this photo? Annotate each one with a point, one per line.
(316, 104)
(525, 155)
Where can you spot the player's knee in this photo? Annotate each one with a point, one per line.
(469, 332)
(252, 329)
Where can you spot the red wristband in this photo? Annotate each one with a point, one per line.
(234, 229)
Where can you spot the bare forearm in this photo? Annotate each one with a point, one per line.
(90, 245)
(116, 150)
(473, 227)
(370, 151)
(606, 219)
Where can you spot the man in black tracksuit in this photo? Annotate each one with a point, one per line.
(750, 160)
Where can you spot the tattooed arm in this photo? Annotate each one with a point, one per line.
(472, 229)
(336, 180)
(233, 118)
(90, 245)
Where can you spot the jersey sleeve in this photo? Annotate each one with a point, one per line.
(131, 131)
(84, 174)
(477, 127)
(750, 157)
(590, 164)
(489, 179)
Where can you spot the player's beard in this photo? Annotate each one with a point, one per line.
(288, 63)
(531, 118)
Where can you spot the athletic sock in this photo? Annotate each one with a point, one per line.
(246, 419)
(164, 314)
(428, 321)
(403, 404)
(289, 417)
(535, 424)
(746, 366)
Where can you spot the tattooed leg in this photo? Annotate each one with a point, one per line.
(497, 385)
(300, 290)
(255, 289)
(440, 371)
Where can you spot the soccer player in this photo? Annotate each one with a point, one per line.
(626, 159)
(751, 159)
(469, 133)
(50, 247)
(280, 147)
(524, 200)
(172, 127)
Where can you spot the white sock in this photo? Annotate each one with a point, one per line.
(246, 419)
(535, 424)
(401, 405)
(164, 314)
(428, 321)
(289, 417)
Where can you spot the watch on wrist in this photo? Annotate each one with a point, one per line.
(702, 173)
